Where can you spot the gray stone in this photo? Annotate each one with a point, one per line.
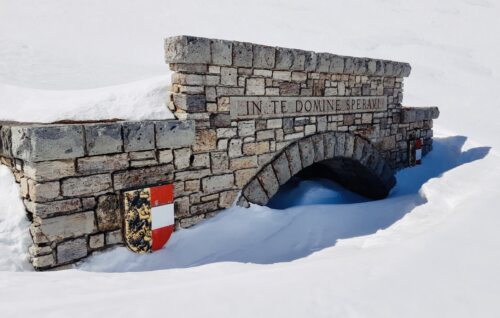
(290, 59)
(47, 142)
(61, 227)
(205, 140)
(174, 133)
(235, 148)
(49, 170)
(190, 103)
(204, 207)
(268, 180)
(329, 142)
(103, 138)
(220, 162)
(187, 49)
(143, 177)
(42, 192)
(243, 162)
(310, 61)
(53, 208)
(263, 56)
(340, 145)
(217, 183)
(71, 250)
(293, 155)
(189, 68)
(246, 128)
(37, 250)
(220, 120)
(337, 64)
(43, 261)
(138, 136)
(99, 164)
(182, 158)
(306, 152)
(84, 186)
(282, 169)
(324, 60)
(229, 76)
(222, 52)
(255, 193)
(5, 141)
(190, 175)
(349, 146)
(319, 148)
(108, 213)
(227, 198)
(256, 86)
(96, 241)
(114, 237)
(242, 54)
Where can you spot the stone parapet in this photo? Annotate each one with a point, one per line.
(202, 51)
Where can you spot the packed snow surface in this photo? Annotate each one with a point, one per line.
(431, 249)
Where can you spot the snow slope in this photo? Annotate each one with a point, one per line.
(429, 250)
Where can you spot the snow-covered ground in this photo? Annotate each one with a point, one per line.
(429, 250)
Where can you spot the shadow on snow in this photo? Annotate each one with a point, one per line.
(313, 216)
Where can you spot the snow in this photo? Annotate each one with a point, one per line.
(429, 250)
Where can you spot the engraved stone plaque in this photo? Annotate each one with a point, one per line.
(247, 107)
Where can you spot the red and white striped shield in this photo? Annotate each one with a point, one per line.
(149, 217)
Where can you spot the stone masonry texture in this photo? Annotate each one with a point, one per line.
(72, 175)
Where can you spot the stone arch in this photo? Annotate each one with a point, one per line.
(349, 159)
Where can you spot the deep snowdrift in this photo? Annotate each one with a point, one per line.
(429, 250)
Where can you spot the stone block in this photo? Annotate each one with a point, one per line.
(290, 59)
(96, 241)
(246, 128)
(53, 208)
(62, 227)
(43, 261)
(282, 169)
(306, 152)
(242, 54)
(256, 148)
(324, 60)
(243, 176)
(222, 52)
(289, 89)
(143, 177)
(263, 56)
(191, 175)
(190, 103)
(5, 141)
(235, 148)
(189, 68)
(187, 49)
(71, 250)
(174, 133)
(205, 140)
(340, 145)
(138, 136)
(103, 138)
(204, 207)
(220, 120)
(42, 192)
(310, 61)
(265, 135)
(165, 156)
(182, 158)
(319, 148)
(337, 64)
(349, 146)
(268, 180)
(114, 237)
(217, 183)
(191, 221)
(227, 198)
(47, 142)
(84, 186)
(243, 163)
(254, 193)
(220, 162)
(201, 160)
(229, 76)
(256, 86)
(282, 75)
(105, 163)
(294, 160)
(108, 213)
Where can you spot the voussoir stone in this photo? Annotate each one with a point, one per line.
(268, 180)
(255, 193)
(47, 142)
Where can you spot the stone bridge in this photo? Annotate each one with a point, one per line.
(248, 118)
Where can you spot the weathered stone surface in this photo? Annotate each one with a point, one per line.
(43, 261)
(71, 250)
(243, 162)
(282, 169)
(191, 174)
(319, 148)
(96, 241)
(256, 86)
(229, 76)
(329, 142)
(242, 54)
(246, 128)
(294, 160)
(306, 152)
(222, 52)
(108, 213)
(204, 207)
(217, 183)
(263, 56)
(219, 162)
(255, 193)
(340, 145)
(114, 237)
(49, 170)
(99, 164)
(205, 140)
(103, 138)
(174, 133)
(61, 227)
(268, 180)
(138, 136)
(227, 198)
(143, 177)
(42, 192)
(190, 103)
(256, 148)
(84, 186)
(182, 158)
(47, 142)
(52, 208)
(187, 49)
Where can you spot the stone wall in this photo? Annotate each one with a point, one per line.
(239, 128)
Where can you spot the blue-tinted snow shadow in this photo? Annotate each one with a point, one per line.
(264, 235)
